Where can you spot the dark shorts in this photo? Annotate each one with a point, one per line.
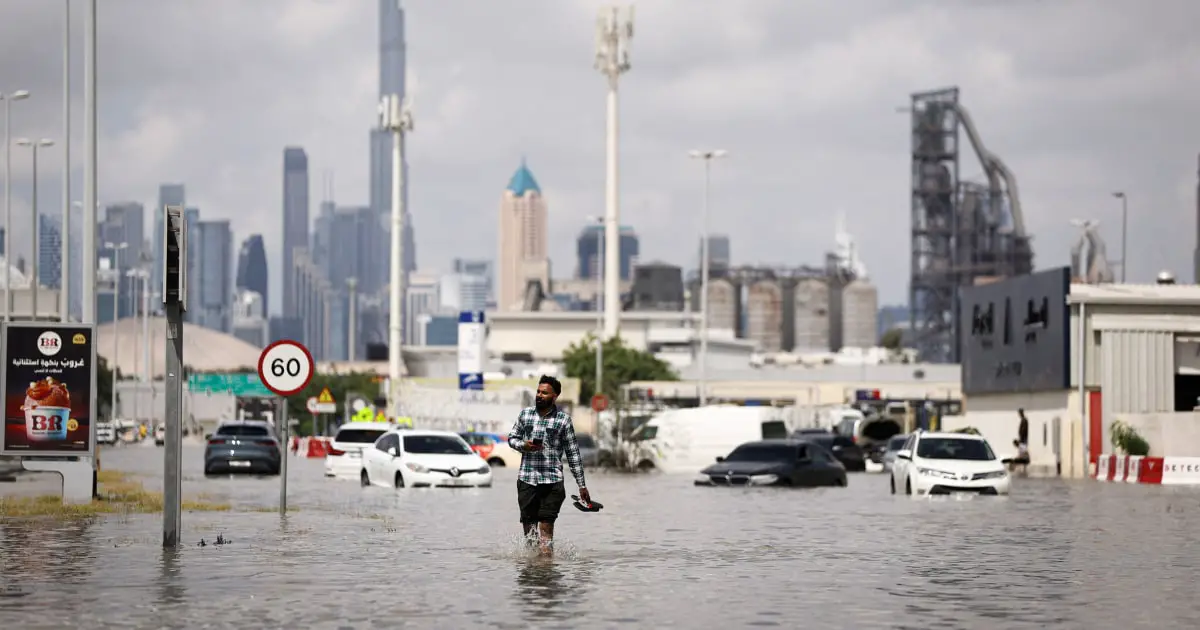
(540, 503)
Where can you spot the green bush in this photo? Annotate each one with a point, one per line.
(1127, 439)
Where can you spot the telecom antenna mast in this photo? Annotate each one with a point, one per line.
(612, 60)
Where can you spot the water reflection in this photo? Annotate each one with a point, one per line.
(171, 588)
(547, 586)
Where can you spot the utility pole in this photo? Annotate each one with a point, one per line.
(612, 60)
(395, 116)
(708, 156)
(175, 303)
(352, 337)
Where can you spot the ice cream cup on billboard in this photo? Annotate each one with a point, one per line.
(46, 424)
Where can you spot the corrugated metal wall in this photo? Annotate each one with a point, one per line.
(1137, 372)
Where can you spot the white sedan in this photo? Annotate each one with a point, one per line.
(946, 463)
(423, 459)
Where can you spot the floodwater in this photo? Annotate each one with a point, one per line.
(662, 554)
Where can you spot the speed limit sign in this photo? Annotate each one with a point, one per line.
(285, 367)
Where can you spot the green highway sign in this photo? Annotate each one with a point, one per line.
(246, 385)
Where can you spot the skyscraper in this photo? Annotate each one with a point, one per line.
(49, 251)
(252, 268)
(123, 223)
(214, 244)
(295, 219)
(191, 216)
(522, 250)
(718, 254)
(168, 195)
(591, 259)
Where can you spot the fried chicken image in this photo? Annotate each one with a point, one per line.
(47, 392)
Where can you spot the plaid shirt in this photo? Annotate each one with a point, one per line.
(558, 439)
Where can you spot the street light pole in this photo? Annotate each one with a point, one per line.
(598, 268)
(88, 248)
(64, 283)
(708, 156)
(612, 60)
(112, 366)
(35, 283)
(1124, 231)
(8, 101)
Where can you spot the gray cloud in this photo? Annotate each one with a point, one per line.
(1079, 98)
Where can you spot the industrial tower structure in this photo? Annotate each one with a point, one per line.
(963, 233)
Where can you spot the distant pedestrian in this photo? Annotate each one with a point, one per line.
(1023, 428)
(544, 434)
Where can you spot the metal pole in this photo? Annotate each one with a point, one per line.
(599, 311)
(396, 118)
(612, 59)
(704, 290)
(35, 283)
(137, 386)
(352, 336)
(115, 329)
(173, 470)
(283, 460)
(146, 331)
(89, 170)
(64, 283)
(8, 99)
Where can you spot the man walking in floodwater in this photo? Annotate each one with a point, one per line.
(543, 434)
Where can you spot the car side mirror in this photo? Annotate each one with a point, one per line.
(720, 459)
(392, 451)
(904, 454)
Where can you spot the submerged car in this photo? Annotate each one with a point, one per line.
(779, 462)
(423, 459)
(889, 452)
(344, 458)
(493, 448)
(851, 455)
(247, 447)
(946, 463)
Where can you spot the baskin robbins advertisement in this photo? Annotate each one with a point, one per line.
(49, 384)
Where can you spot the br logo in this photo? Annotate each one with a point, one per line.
(46, 423)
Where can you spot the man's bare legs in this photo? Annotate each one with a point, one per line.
(546, 538)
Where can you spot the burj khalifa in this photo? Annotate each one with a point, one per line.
(391, 81)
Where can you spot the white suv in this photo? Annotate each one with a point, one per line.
(945, 463)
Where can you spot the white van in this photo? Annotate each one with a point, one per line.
(686, 440)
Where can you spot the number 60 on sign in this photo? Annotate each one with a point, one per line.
(285, 367)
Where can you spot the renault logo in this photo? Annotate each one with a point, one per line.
(453, 472)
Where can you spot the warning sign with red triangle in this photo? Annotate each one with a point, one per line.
(325, 396)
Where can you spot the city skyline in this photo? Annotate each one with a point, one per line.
(798, 154)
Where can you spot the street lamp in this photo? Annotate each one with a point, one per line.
(708, 156)
(8, 99)
(112, 366)
(598, 269)
(1124, 231)
(34, 281)
(139, 295)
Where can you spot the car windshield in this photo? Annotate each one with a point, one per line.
(243, 430)
(897, 443)
(435, 445)
(954, 448)
(762, 453)
(358, 436)
(585, 441)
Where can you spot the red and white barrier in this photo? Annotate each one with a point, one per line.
(1167, 471)
(315, 447)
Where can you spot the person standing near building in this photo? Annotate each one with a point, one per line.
(1023, 429)
(543, 434)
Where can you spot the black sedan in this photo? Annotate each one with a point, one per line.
(843, 448)
(785, 462)
(244, 447)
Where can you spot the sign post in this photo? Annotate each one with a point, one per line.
(286, 368)
(48, 385)
(174, 292)
(472, 350)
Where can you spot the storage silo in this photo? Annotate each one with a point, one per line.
(860, 315)
(764, 315)
(811, 316)
(723, 305)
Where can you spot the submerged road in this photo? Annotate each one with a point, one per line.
(662, 554)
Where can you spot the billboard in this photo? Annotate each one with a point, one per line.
(472, 349)
(1015, 334)
(48, 385)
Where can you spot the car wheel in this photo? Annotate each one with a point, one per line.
(364, 478)
(399, 481)
(497, 462)
(908, 486)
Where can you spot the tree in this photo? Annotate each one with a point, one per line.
(104, 386)
(622, 365)
(339, 385)
(892, 339)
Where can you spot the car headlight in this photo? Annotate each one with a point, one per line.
(940, 474)
(758, 480)
(415, 467)
(704, 480)
(485, 469)
(995, 474)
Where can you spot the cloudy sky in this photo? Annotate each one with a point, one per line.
(1078, 98)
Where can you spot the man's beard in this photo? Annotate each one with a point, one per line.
(543, 404)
